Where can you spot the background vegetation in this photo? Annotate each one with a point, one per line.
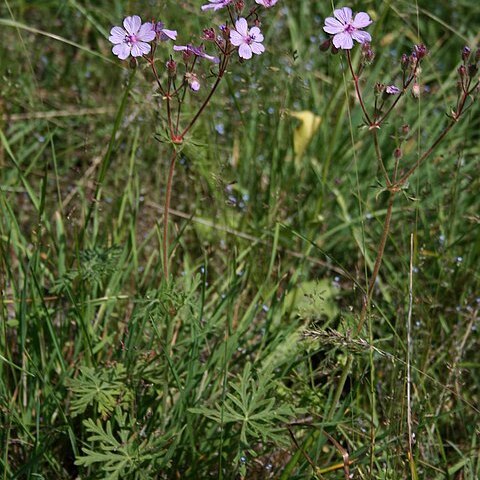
(245, 364)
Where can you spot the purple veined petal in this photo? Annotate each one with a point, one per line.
(333, 26)
(241, 26)
(256, 34)
(257, 48)
(245, 51)
(146, 33)
(139, 49)
(132, 24)
(171, 34)
(117, 35)
(236, 38)
(122, 51)
(343, 41)
(361, 37)
(361, 20)
(144, 47)
(343, 14)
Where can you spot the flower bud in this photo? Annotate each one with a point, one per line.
(171, 67)
(462, 71)
(208, 34)
(416, 90)
(472, 70)
(420, 51)
(133, 64)
(465, 53)
(367, 52)
(397, 153)
(239, 6)
(405, 61)
(406, 129)
(325, 45)
(379, 88)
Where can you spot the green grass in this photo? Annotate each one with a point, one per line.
(246, 363)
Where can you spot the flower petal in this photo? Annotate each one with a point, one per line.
(361, 37)
(236, 38)
(332, 25)
(132, 24)
(241, 26)
(117, 35)
(146, 33)
(122, 51)
(168, 34)
(140, 48)
(257, 48)
(245, 51)
(361, 20)
(343, 40)
(343, 14)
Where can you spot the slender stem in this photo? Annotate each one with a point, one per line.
(378, 261)
(405, 86)
(379, 157)
(455, 118)
(222, 69)
(166, 211)
(357, 88)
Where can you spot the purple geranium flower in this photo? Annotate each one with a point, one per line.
(247, 41)
(132, 40)
(162, 33)
(346, 29)
(267, 3)
(197, 51)
(216, 4)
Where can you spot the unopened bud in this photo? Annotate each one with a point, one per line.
(420, 51)
(397, 153)
(239, 6)
(472, 70)
(324, 46)
(405, 61)
(416, 90)
(133, 64)
(462, 71)
(367, 53)
(465, 53)
(406, 129)
(171, 67)
(209, 34)
(379, 88)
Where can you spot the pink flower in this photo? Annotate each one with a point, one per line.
(267, 3)
(346, 29)
(247, 41)
(133, 40)
(216, 4)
